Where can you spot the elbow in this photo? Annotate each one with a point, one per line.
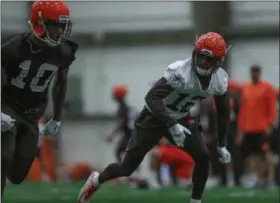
(148, 99)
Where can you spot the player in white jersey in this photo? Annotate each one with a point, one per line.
(183, 84)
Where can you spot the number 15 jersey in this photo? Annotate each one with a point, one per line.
(177, 92)
(187, 89)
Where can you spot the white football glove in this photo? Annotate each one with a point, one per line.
(179, 133)
(6, 122)
(51, 128)
(225, 155)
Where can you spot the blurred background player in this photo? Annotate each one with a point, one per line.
(29, 62)
(168, 162)
(126, 116)
(125, 121)
(256, 121)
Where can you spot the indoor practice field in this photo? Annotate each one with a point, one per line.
(66, 193)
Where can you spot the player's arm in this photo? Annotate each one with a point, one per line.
(59, 92)
(154, 101)
(223, 117)
(60, 86)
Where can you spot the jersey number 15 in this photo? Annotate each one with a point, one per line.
(184, 102)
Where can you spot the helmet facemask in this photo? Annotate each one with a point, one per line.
(53, 32)
(205, 63)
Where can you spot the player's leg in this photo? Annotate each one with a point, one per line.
(140, 143)
(8, 144)
(261, 163)
(196, 147)
(26, 150)
(121, 147)
(7, 150)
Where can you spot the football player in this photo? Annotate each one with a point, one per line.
(126, 117)
(183, 84)
(29, 62)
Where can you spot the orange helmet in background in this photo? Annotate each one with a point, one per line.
(50, 21)
(119, 91)
(209, 52)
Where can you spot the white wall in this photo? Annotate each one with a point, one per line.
(14, 16)
(255, 13)
(127, 16)
(138, 67)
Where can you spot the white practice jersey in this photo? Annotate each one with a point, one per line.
(187, 88)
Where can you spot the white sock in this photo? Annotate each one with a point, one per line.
(96, 181)
(195, 201)
(154, 176)
(153, 180)
(165, 174)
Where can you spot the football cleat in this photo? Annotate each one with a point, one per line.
(88, 189)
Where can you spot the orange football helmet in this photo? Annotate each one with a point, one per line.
(209, 52)
(119, 91)
(50, 21)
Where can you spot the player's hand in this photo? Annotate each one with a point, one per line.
(6, 122)
(51, 128)
(225, 155)
(179, 133)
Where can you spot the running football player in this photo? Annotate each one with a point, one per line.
(29, 62)
(183, 84)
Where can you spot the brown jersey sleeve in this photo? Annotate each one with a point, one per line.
(155, 103)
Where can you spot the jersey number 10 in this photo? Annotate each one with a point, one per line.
(40, 81)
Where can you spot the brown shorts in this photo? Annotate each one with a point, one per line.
(148, 132)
